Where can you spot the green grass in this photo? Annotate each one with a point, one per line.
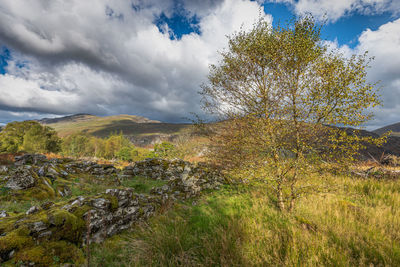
(14, 207)
(357, 225)
(142, 184)
(79, 185)
(85, 184)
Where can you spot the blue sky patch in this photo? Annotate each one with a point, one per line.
(5, 56)
(280, 12)
(179, 24)
(346, 30)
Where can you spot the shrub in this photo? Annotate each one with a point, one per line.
(164, 150)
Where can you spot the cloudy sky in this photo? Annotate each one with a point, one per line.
(148, 57)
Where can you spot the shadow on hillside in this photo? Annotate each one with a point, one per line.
(128, 127)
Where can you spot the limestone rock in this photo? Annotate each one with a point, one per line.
(64, 191)
(95, 218)
(3, 214)
(29, 159)
(21, 178)
(185, 179)
(37, 227)
(32, 210)
(3, 169)
(101, 203)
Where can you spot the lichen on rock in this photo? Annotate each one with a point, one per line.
(58, 227)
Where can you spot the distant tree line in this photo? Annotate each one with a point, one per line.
(32, 137)
(29, 136)
(116, 146)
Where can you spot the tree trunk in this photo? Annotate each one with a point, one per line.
(281, 203)
(292, 203)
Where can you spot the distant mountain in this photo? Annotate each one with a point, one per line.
(395, 128)
(139, 129)
(392, 146)
(143, 131)
(71, 118)
(81, 117)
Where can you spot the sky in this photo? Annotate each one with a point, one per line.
(149, 57)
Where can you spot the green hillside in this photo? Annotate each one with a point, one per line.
(104, 126)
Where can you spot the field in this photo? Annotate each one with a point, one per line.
(357, 224)
(353, 221)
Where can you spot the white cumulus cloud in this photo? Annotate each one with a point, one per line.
(108, 57)
(384, 45)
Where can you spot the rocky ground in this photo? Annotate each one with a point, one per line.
(50, 209)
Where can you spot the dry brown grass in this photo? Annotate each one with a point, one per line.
(357, 224)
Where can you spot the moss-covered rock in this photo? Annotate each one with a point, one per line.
(50, 254)
(36, 255)
(66, 226)
(14, 240)
(56, 231)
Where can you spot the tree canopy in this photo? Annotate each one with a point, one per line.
(281, 94)
(29, 136)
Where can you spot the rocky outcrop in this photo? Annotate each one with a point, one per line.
(20, 178)
(91, 168)
(39, 234)
(95, 218)
(185, 180)
(163, 169)
(29, 159)
(36, 177)
(108, 217)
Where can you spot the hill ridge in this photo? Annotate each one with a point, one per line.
(140, 130)
(65, 118)
(395, 128)
(87, 116)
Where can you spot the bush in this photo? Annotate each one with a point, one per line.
(115, 146)
(163, 150)
(77, 145)
(125, 153)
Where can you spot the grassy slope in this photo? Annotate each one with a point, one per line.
(358, 225)
(104, 126)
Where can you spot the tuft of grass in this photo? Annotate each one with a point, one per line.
(142, 184)
(86, 184)
(12, 206)
(357, 225)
